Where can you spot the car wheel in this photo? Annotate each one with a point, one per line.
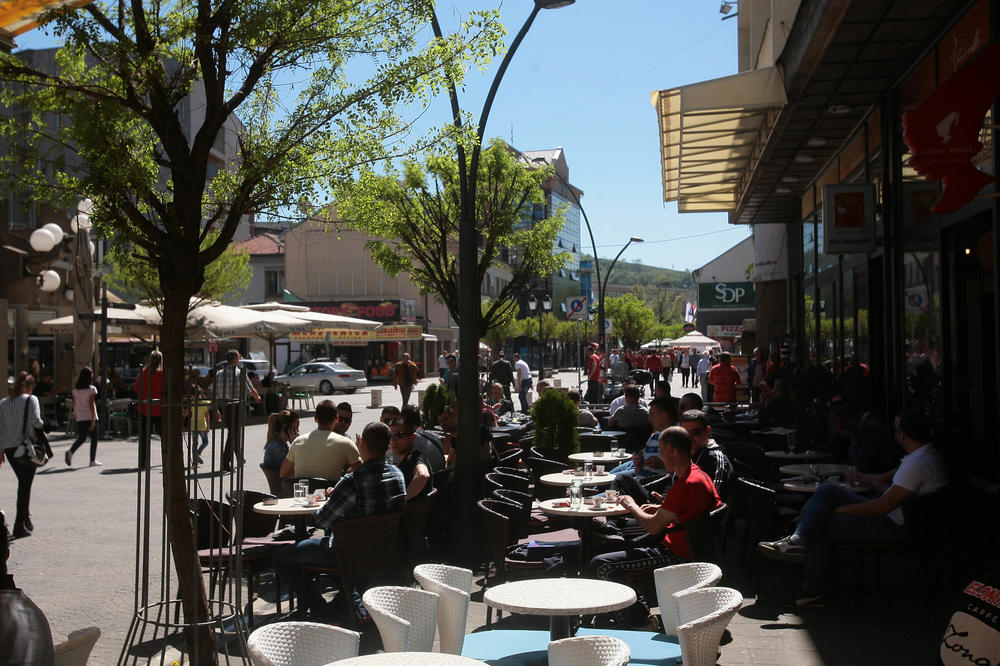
(325, 387)
(350, 391)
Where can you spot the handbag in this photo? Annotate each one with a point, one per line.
(35, 449)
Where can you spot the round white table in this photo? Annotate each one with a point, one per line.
(819, 469)
(566, 480)
(409, 659)
(599, 457)
(797, 455)
(559, 599)
(581, 516)
(811, 486)
(286, 506)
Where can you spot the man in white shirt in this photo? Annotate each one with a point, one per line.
(232, 384)
(835, 514)
(522, 375)
(702, 371)
(619, 402)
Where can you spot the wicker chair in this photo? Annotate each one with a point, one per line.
(301, 644)
(406, 617)
(704, 615)
(678, 578)
(590, 650)
(76, 650)
(453, 586)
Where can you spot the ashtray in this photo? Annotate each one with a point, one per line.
(270, 501)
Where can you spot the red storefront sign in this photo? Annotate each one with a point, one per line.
(943, 132)
(386, 312)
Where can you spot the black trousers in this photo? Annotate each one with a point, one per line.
(147, 425)
(234, 441)
(82, 430)
(25, 473)
(595, 392)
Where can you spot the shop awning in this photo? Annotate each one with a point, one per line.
(20, 16)
(711, 134)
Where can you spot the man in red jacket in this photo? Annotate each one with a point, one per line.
(724, 378)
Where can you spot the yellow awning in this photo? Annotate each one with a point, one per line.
(20, 16)
(708, 134)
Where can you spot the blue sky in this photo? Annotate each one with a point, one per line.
(581, 80)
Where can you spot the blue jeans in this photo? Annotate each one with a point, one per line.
(820, 529)
(522, 394)
(289, 560)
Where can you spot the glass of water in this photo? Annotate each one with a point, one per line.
(575, 495)
(588, 471)
(301, 488)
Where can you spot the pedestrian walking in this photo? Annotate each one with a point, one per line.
(232, 386)
(502, 372)
(85, 413)
(19, 412)
(523, 379)
(685, 368)
(404, 377)
(149, 392)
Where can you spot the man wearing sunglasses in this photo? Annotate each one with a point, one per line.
(705, 453)
(344, 418)
(416, 471)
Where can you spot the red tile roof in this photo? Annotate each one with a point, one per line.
(263, 244)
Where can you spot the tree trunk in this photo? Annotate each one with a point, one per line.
(199, 642)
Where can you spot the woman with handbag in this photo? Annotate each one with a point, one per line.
(20, 414)
(85, 412)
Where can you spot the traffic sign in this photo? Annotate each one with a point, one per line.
(576, 308)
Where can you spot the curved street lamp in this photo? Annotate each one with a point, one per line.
(607, 278)
(469, 287)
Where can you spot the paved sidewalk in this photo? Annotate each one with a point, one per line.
(78, 567)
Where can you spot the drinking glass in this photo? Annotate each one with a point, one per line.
(299, 497)
(575, 496)
(588, 471)
(621, 452)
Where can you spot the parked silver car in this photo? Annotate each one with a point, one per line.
(326, 377)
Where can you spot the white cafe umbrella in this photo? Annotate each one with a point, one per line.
(695, 340)
(321, 318)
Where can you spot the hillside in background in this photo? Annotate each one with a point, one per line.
(642, 275)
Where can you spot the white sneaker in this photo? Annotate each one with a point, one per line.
(96, 463)
(784, 545)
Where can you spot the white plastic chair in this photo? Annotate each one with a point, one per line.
(301, 644)
(679, 578)
(406, 617)
(453, 585)
(76, 650)
(703, 615)
(589, 650)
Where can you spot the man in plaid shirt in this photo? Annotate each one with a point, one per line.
(374, 487)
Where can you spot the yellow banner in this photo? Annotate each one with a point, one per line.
(346, 336)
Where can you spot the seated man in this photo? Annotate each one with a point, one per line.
(692, 496)
(618, 402)
(646, 464)
(344, 417)
(322, 453)
(835, 514)
(705, 453)
(389, 414)
(690, 401)
(631, 414)
(374, 487)
(498, 403)
(413, 465)
(584, 419)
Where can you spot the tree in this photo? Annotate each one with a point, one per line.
(505, 326)
(226, 278)
(141, 94)
(632, 319)
(414, 215)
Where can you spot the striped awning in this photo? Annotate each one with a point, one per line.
(711, 134)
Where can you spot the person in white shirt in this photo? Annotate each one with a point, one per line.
(619, 402)
(835, 514)
(233, 385)
(522, 375)
(702, 371)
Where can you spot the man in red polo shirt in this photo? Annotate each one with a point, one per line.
(595, 389)
(691, 496)
(724, 378)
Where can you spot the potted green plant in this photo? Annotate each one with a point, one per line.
(555, 418)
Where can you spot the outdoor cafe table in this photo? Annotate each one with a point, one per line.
(565, 480)
(582, 517)
(797, 455)
(409, 659)
(559, 599)
(802, 486)
(605, 456)
(286, 507)
(821, 470)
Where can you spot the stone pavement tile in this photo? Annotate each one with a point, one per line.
(787, 658)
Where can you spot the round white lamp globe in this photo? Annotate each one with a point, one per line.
(80, 221)
(42, 240)
(55, 230)
(69, 295)
(49, 280)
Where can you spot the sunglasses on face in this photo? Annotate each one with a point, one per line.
(344, 419)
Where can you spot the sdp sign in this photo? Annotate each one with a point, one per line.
(725, 295)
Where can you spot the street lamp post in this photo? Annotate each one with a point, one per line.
(542, 304)
(604, 287)
(469, 288)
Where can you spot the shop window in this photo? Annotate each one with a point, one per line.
(921, 308)
(848, 315)
(827, 308)
(863, 343)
